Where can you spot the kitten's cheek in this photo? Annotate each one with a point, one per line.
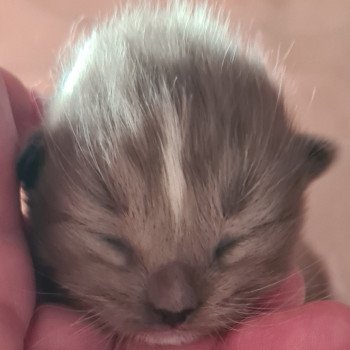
(289, 294)
(58, 328)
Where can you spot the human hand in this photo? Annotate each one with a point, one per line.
(19, 114)
(16, 275)
(321, 325)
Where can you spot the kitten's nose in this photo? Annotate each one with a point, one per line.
(171, 294)
(173, 319)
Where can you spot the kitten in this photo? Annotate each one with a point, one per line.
(166, 184)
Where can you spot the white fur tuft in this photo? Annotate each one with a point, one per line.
(174, 180)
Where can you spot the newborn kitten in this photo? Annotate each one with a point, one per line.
(166, 183)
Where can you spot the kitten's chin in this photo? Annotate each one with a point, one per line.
(167, 337)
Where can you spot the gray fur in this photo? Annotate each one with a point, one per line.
(167, 137)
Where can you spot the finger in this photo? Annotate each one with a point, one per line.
(314, 326)
(16, 284)
(292, 284)
(8, 184)
(58, 328)
(206, 344)
(25, 105)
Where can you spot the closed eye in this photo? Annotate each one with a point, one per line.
(225, 245)
(117, 243)
(229, 243)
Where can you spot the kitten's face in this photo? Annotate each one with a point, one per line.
(166, 198)
(166, 267)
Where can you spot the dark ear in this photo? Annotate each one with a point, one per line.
(319, 155)
(30, 161)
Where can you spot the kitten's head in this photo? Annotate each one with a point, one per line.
(166, 185)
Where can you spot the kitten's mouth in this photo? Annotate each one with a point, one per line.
(171, 337)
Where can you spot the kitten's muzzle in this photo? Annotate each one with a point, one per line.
(173, 319)
(171, 294)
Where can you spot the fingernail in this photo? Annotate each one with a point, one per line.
(37, 101)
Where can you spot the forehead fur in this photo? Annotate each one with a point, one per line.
(173, 117)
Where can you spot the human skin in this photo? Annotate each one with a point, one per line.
(288, 325)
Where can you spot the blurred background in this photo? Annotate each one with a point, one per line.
(310, 38)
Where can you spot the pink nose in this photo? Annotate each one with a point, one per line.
(171, 294)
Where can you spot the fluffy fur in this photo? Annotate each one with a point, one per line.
(172, 179)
